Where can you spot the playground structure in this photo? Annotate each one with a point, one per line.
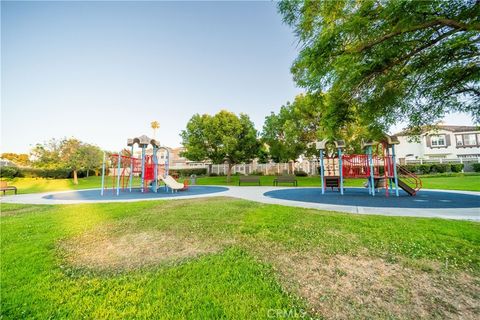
(377, 165)
(123, 168)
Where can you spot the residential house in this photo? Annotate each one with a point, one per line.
(445, 142)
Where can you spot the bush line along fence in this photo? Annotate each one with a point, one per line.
(300, 169)
(58, 173)
(311, 167)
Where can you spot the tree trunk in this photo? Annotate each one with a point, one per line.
(75, 177)
(229, 172)
(88, 171)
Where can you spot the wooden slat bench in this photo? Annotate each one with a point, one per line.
(5, 187)
(249, 179)
(332, 182)
(285, 179)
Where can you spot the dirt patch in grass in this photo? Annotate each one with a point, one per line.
(105, 250)
(346, 287)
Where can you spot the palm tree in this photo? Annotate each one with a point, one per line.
(155, 125)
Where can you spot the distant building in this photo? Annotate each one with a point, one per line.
(446, 142)
(176, 160)
(6, 163)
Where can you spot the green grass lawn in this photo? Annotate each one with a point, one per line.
(35, 185)
(232, 259)
(468, 182)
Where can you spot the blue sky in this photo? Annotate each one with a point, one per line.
(102, 71)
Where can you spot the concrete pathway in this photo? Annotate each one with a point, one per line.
(257, 194)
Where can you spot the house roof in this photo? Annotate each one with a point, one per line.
(446, 127)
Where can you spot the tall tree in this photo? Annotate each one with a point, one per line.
(224, 137)
(20, 159)
(92, 157)
(47, 155)
(388, 61)
(263, 155)
(72, 156)
(290, 132)
(155, 125)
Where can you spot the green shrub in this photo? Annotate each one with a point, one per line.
(456, 167)
(425, 168)
(213, 174)
(257, 173)
(434, 168)
(8, 172)
(412, 168)
(300, 173)
(476, 167)
(440, 167)
(189, 172)
(58, 173)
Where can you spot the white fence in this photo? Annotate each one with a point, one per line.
(308, 166)
(440, 160)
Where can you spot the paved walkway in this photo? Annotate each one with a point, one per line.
(461, 205)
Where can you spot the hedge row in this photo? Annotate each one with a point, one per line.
(259, 173)
(188, 172)
(434, 168)
(58, 173)
(476, 167)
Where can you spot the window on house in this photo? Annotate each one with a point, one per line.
(438, 140)
(469, 139)
(459, 139)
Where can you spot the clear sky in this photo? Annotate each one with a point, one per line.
(102, 71)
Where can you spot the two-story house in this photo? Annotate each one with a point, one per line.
(446, 142)
(176, 160)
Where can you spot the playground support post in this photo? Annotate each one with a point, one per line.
(167, 162)
(322, 174)
(143, 168)
(372, 179)
(130, 180)
(103, 174)
(395, 170)
(118, 172)
(155, 161)
(340, 169)
(386, 167)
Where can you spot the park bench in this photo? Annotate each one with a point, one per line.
(249, 179)
(285, 179)
(332, 182)
(5, 187)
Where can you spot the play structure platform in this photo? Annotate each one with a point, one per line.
(378, 166)
(119, 170)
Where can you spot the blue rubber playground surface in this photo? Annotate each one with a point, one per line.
(360, 197)
(135, 194)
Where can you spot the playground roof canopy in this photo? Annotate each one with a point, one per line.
(143, 141)
(340, 144)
